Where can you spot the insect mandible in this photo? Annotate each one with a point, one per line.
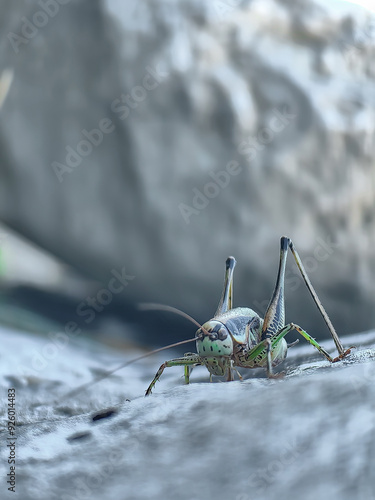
(238, 337)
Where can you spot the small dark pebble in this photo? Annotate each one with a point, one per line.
(104, 414)
(78, 436)
(66, 411)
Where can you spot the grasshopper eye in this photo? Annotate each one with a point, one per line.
(222, 334)
(199, 335)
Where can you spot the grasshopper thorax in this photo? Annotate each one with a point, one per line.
(215, 346)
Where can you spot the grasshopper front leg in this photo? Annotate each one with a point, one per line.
(187, 360)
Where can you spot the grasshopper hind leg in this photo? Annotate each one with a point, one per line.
(226, 300)
(275, 314)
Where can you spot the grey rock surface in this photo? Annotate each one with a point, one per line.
(309, 435)
(284, 88)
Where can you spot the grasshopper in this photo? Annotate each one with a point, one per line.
(238, 337)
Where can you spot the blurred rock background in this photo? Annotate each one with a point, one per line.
(167, 95)
(141, 143)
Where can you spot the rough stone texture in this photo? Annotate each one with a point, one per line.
(225, 67)
(309, 435)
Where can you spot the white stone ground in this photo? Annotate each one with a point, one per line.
(309, 435)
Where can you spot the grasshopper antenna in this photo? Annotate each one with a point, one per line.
(141, 307)
(150, 306)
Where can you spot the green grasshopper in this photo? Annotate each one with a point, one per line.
(240, 338)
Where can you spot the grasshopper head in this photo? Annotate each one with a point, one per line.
(215, 346)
